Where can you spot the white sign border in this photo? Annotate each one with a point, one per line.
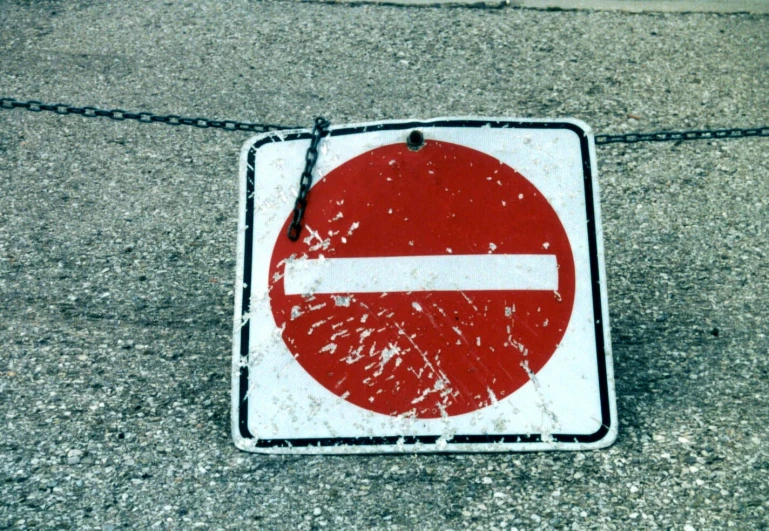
(604, 436)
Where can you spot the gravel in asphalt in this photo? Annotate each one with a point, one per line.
(117, 251)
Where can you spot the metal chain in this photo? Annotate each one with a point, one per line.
(143, 117)
(319, 130)
(671, 136)
(231, 125)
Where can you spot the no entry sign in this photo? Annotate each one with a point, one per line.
(446, 294)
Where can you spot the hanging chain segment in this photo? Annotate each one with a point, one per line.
(142, 117)
(319, 130)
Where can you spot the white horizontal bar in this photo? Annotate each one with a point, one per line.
(482, 272)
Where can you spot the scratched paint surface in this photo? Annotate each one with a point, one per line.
(424, 352)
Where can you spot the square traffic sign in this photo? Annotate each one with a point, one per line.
(447, 292)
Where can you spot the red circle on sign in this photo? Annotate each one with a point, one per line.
(424, 353)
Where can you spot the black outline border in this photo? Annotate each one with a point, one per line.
(429, 439)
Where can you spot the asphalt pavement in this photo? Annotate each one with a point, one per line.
(117, 260)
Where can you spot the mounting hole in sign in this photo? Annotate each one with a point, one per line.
(415, 140)
(403, 242)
